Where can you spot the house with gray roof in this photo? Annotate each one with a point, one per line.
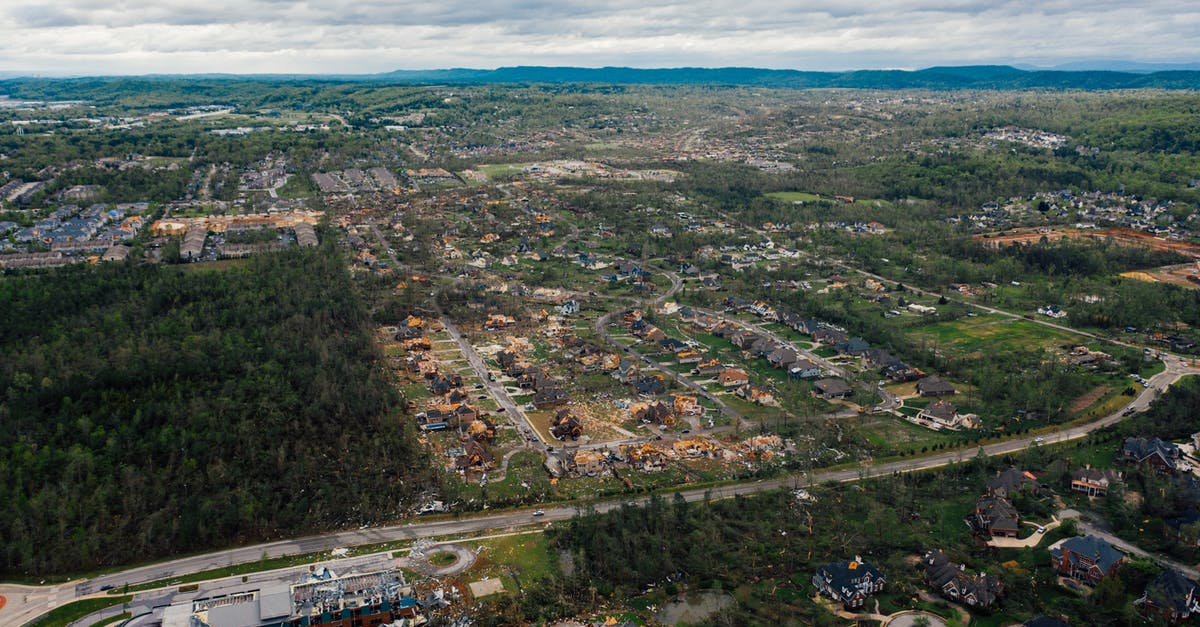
(1171, 597)
(956, 583)
(995, 516)
(1153, 453)
(1086, 558)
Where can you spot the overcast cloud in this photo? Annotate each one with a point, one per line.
(365, 36)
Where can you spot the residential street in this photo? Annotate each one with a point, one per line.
(24, 603)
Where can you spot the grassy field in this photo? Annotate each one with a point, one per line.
(794, 196)
(66, 614)
(985, 335)
(500, 170)
(515, 559)
(891, 435)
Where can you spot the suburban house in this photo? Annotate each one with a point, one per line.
(849, 583)
(804, 369)
(945, 414)
(656, 413)
(901, 372)
(1162, 456)
(725, 329)
(627, 371)
(709, 368)
(566, 425)
(695, 448)
(649, 385)
(855, 346)
(672, 345)
(645, 457)
(1093, 481)
(782, 357)
(955, 583)
(1171, 597)
(1086, 558)
(550, 397)
(475, 457)
(763, 347)
(755, 394)
(590, 463)
(995, 516)
(832, 388)
(825, 335)
(733, 377)
(687, 405)
(441, 384)
(744, 339)
(1012, 481)
(934, 386)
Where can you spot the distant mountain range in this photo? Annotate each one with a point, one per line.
(1137, 76)
(956, 77)
(1117, 66)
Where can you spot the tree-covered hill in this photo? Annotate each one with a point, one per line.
(147, 410)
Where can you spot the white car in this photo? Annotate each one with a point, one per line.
(539, 513)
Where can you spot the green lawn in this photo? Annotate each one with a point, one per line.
(985, 335)
(794, 196)
(66, 614)
(494, 170)
(891, 435)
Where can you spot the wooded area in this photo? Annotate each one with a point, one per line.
(150, 411)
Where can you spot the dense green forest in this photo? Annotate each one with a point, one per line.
(148, 411)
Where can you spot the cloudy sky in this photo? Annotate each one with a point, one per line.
(364, 36)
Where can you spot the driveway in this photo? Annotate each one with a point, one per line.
(1126, 546)
(1024, 543)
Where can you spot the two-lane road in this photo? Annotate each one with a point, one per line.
(476, 524)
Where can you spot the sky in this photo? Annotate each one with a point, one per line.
(107, 37)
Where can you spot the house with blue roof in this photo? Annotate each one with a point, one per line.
(849, 582)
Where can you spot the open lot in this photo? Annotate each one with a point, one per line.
(980, 336)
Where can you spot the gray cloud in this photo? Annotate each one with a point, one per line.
(132, 36)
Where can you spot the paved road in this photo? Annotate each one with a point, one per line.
(499, 394)
(1089, 528)
(25, 603)
(601, 328)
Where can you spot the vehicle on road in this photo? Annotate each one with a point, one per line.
(1039, 440)
(1041, 530)
(539, 513)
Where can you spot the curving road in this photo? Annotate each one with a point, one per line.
(26, 602)
(601, 329)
